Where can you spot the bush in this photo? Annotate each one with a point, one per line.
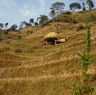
(86, 90)
(82, 90)
(77, 89)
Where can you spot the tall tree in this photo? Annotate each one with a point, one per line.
(21, 25)
(13, 27)
(1, 25)
(84, 6)
(90, 4)
(31, 21)
(42, 19)
(74, 6)
(25, 23)
(36, 24)
(57, 7)
(6, 25)
(52, 13)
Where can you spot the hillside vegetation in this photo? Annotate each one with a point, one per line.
(29, 67)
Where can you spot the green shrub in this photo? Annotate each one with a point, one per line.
(86, 89)
(82, 90)
(85, 58)
(77, 89)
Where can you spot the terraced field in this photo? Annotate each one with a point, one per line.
(28, 67)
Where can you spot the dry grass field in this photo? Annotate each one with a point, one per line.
(28, 67)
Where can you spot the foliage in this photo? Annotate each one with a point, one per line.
(31, 21)
(1, 25)
(85, 88)
(84, 6)
(77, 89)
(43, 19)
(52, 13)
(57, 7)
(74, 6)
(82, 90)
(90, 4)
(36, 23)
(6, 25)
(13, 27)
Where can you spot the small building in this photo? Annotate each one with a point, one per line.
(51, 38)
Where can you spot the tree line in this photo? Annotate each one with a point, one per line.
(55, 9)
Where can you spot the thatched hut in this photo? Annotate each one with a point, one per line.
(51, 38)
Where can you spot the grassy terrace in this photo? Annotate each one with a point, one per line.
(28, 67)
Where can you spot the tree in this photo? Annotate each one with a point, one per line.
(57, 7)
(13, 27)
(90, 4)
(25, 23)
(6, 25)
(36, 24)
(42, 19)
(31, 21)
(1, 25)
(84, 6)
(74, 6)
(52, 13)
(21, 25)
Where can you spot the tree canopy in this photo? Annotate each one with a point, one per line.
(90, 4)
(74, 6)
(42, 19)
(57, 7)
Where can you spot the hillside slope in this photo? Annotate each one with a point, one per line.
(28, 67)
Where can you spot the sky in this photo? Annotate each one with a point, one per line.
(15, 11)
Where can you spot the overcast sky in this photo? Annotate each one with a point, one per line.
(15, 11)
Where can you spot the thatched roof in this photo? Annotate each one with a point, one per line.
(51, 35)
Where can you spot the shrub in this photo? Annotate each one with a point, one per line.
(77, 89)
(86, 89)
(82, 90)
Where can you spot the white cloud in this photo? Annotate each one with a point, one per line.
(27, 11)
(31, 11)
